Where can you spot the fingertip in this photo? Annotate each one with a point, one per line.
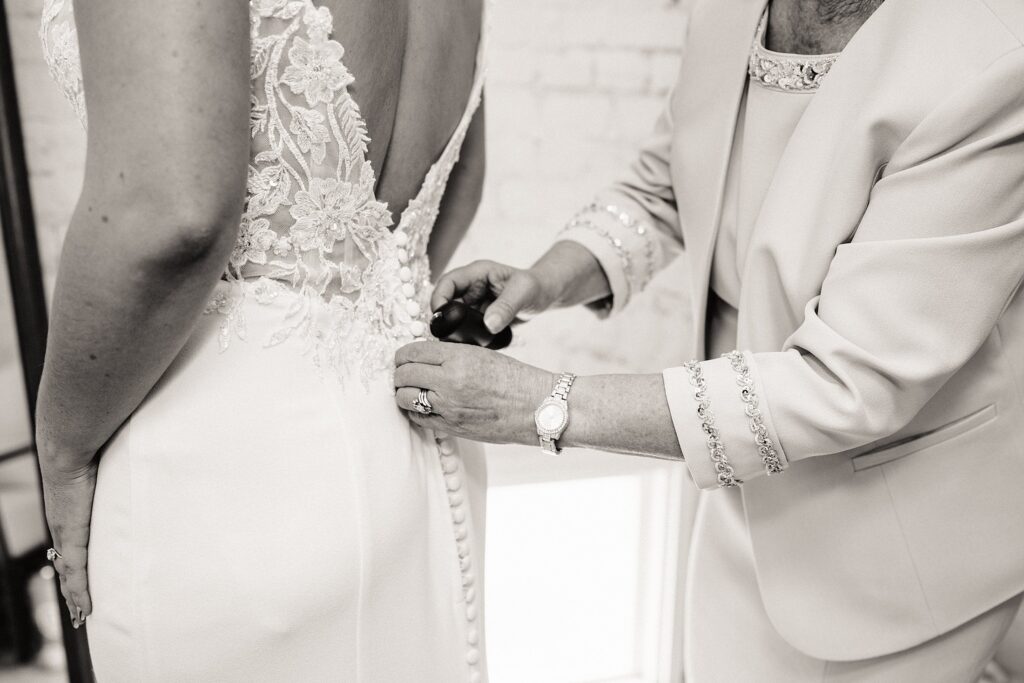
(443, 293)
(493, 323)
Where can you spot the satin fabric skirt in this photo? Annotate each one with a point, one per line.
(258, 520)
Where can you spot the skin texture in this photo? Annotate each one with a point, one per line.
(461, 197)
(168, 115)
(486, 396)
(167, 89)
(414, 63)
(427, 51)
(815, 26)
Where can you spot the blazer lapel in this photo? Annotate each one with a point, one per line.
(707, 102)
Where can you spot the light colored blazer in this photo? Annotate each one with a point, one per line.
(880, 316)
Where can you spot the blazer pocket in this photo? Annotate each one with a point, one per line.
(918, 442)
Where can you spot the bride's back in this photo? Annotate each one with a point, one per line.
(413, 62)
(358, 111)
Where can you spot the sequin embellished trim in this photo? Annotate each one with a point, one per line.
(765, 446)
(625, 259)
(783, 71)
(716, 449)
(634, 225)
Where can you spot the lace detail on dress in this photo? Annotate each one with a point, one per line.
(60, 47)
(312, 224)
(786, 72)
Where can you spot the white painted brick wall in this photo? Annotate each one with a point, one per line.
(574, 86)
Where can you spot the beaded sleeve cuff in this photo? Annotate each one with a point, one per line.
(765, 446)
(625, 246)
(716, 449)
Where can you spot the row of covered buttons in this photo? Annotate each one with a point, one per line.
(417, 328)
(451, 465)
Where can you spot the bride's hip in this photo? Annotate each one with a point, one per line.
(351, 337)
(232, 400)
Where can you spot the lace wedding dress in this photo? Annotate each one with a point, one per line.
(268, 514)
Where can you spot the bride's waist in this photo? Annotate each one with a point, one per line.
(354, 330)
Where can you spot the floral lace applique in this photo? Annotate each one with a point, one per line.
(60, 46)
(312, 227)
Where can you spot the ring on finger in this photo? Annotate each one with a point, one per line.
(52, 555)
(422, 404)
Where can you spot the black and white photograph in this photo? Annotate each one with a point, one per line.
(512, 341)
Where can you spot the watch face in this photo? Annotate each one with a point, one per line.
(551, 418)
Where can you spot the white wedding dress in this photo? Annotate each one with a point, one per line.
(268, 514)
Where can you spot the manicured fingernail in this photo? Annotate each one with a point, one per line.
(493, 323)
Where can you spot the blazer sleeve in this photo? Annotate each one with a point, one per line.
(935, 261)
(632, 227)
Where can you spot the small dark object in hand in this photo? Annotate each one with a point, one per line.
(460, 323)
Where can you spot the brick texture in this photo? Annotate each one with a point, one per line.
(574, 87)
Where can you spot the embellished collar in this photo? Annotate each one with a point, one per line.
(785, 71)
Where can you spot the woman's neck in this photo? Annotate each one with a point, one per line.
(815, 26)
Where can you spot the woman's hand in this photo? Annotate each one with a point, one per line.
(566, 275)
(475, 393)
(68, 494)
(501, 292)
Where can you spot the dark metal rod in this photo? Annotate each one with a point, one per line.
(22, 250)
(23, 450)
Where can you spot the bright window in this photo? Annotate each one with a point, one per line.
(581, 567)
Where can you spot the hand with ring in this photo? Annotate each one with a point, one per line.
(422, 403)
(470, 392)
(68, 495)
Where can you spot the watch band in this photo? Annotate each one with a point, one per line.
(549, 444)
(563, 385)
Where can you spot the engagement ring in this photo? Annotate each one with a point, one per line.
(422, 403)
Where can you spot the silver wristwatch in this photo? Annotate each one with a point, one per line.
(552, 416)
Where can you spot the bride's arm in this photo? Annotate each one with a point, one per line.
(167, 94)
(167, 90)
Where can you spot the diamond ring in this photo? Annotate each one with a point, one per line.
(422, 403)
(52, 554)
